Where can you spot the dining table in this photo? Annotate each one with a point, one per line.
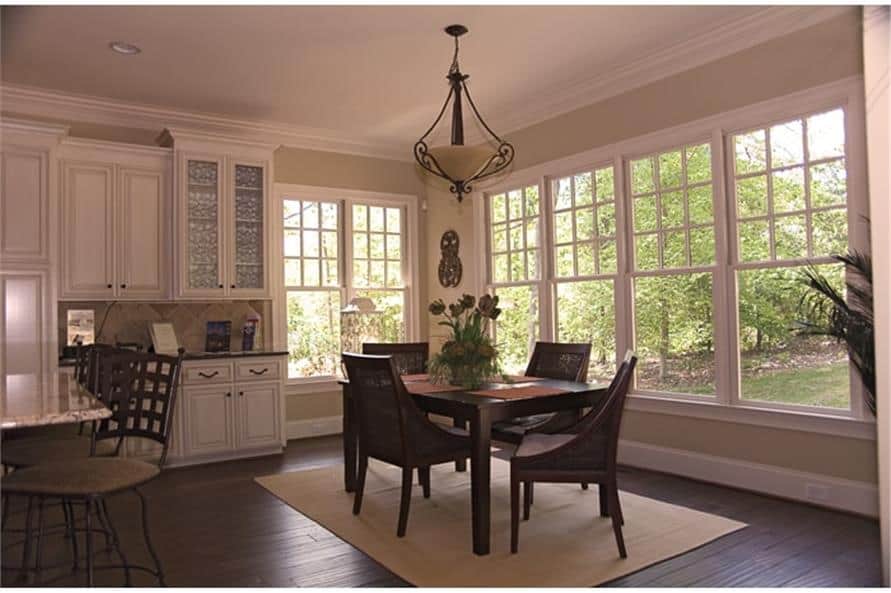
(480, 409)
(42, 399)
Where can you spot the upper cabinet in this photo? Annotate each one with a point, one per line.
(222, 195)
(115, 231)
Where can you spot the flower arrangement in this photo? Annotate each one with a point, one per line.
(469, 357)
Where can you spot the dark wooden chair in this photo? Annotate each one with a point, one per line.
(140, 389)
(550, 360)
(394, 430)
(586, 453)
(409, 358)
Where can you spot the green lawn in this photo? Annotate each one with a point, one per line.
(824, 386)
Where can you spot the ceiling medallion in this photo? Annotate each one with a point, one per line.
(462, 165)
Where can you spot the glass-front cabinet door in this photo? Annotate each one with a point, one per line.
(203, 222)
(247, 266)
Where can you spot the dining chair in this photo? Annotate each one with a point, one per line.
(140, 389)
(585, 453)
(550, 360)
(409, 358)
(394, 430)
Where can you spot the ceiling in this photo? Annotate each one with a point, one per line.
(372, 71)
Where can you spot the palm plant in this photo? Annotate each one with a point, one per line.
(848, 320)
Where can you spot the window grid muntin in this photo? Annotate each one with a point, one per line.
(509, 251)
(684, 188)
(320, 260)
(366, 235)
(597, 239)
(768, 171)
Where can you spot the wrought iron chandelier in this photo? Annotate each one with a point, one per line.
(461, 165)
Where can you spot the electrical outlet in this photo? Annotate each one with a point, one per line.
(817, 492)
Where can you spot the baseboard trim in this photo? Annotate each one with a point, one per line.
(313, 427)
(828, 491)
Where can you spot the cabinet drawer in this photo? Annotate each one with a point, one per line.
(206, 373)
(258, 369)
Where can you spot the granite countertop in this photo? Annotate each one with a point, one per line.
(37, 400)
(69, 362)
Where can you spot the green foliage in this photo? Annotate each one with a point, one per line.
(517, 328)
(313, 332)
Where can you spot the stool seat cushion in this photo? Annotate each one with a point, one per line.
(80, 478)
(32, 451)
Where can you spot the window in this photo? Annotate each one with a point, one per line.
(674, 258)
(515, 272)
(691, 251)
(585, 264)
(336, 249)
(789, 183)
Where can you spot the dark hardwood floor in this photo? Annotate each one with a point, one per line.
(213, 526)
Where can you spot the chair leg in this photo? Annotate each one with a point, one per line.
(405, 502)
(604, 500)
(102, 508)
(460, 464)
(26, 552)
(584, 485)
(38, 556)
(88, 538)
(424, 478)
(100, 519)
(72, 527)
(360, 483)
(148, 542)
(5, 512)
(616, 519)
(515, 513)
(527, 499)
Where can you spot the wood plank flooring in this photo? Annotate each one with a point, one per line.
(213, 526)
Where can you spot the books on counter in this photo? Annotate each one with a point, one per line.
(219, 334)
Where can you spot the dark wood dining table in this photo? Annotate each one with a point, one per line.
(480, 412)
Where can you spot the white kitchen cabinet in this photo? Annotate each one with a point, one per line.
(222, 200)
(24, 202)
(142, 266)
(25, 322)
(227, 411)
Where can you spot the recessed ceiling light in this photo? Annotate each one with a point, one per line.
(124, 48)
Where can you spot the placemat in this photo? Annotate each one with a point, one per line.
(517, 379)
(413, 378)
(520, 392)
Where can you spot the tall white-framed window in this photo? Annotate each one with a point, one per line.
(585, 263)
(715, 222)
(515, 271)
(338, 245)
(788, 184)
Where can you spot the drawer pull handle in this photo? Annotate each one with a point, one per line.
(209, 375)
(255, 372)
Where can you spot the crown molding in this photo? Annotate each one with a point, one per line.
(29, 101)
(726, 39)
(15, 124)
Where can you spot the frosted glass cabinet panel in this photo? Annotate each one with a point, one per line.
(248, 262)
(203, 235)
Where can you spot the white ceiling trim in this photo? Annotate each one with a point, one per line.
(27, 101)
(731, 37)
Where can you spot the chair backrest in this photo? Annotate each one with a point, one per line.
(606, 420)
(85, 364)
(564, 361)
(409, 358)
(384, 407)
(140, 389)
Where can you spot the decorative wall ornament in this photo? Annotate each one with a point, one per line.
(450, 268)
(458, 164)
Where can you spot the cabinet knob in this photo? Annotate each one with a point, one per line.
(123, 286)
(233, 286)
(241, 394)
(228, 394)
(221, 286)
(109, 286)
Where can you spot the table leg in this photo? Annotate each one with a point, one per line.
(350, 437)
(460, 465)
(480, 466)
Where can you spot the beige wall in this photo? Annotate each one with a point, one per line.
(824, 53)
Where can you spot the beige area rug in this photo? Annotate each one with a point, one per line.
(565, 542)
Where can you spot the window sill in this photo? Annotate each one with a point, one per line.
(752, 415)
(312, 386)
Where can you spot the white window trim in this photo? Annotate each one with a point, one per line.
(345, 197)
(847, 93)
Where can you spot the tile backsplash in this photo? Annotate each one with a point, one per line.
(129, 321)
